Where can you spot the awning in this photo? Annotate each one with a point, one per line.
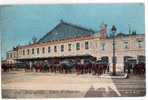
(60, 57)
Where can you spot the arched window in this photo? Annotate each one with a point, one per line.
(62, 48)
(32, 51)
(77, 46)
(28, 51)
(43, 50)
(103, 46)
(55, 48)
(38, 50)
(86, 45)
(49, 50)
(69, 47)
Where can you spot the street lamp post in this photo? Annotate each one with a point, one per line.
(113, 29)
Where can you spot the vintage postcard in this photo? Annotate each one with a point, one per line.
(73, 50)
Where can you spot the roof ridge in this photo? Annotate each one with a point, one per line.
(77, 26)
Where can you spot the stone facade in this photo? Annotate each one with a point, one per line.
(125, 46)
(130, 45)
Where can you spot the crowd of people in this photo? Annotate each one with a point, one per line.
(92, 67)
(62, 67)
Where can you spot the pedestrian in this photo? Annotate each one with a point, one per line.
(30, 65)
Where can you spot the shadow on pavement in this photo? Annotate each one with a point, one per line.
(132, 86)
(100, 92)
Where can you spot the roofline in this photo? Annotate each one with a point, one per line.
(72, 39)
(79, 27)
(83, 37)
(126, 35)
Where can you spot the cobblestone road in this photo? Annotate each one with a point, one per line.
(20, 84)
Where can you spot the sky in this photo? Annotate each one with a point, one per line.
(19, 23)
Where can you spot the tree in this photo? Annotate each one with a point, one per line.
(129, 29)
(134, 32)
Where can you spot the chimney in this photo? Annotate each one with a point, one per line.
(103, 31)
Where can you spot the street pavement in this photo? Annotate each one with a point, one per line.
(20, 84)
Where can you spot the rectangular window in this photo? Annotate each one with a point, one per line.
(77, 46)
(55, 48)
(62, 48)
(43, 50)
(10, 55)
(103, 46)
(125, 45)
(28, 51)
(140, 43)
(38, 50)
(86, 45)
(23, 52)
(32, 51)
(69, 47)
(48, 49)
(7, 55)
(141, 59)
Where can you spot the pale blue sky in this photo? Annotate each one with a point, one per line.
(19, 23)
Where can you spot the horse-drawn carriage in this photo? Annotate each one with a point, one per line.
(6, 67)
(92, 66)
(71, 66)
(137, 66)
(79, 66)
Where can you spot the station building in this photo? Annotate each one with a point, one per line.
(69, 41)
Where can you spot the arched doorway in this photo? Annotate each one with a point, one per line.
(129, 63)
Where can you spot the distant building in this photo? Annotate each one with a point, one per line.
(68, 41)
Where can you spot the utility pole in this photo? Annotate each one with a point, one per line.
(113, 29)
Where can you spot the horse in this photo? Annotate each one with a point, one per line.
(139, 68)
(5, 67)
(46, 67)
(27, 67)
(37, 67)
